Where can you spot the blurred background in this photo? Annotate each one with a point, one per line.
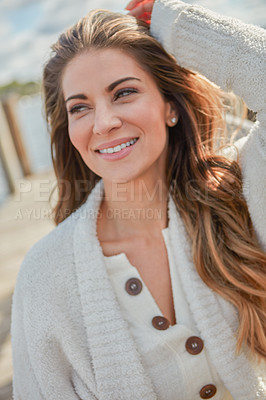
(27, 29)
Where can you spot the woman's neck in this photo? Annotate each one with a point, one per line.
(135, 208)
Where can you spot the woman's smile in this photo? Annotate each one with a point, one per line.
(119, 151)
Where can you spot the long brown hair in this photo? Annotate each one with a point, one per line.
(206, 187)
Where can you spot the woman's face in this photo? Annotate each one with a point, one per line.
(117, 117)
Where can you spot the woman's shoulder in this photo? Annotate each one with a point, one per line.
(51, 261)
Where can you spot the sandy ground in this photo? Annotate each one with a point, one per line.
(24, 219)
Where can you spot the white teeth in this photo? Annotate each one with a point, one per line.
(117, 148)
(121, 146)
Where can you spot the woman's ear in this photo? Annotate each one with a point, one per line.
(171, 114)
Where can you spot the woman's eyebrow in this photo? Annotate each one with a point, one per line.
(116, 83)
(109, 88)
(77, 96)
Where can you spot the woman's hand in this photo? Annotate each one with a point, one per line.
(141, 9)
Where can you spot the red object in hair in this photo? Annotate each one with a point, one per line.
(145, 17)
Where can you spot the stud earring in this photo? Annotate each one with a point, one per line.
(174, 120)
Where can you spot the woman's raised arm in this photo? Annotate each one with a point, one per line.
(233, 55)
(227, 51)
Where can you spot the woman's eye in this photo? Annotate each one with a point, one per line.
(124, 92)
(77, 108)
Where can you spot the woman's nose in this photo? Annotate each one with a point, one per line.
(105, 120)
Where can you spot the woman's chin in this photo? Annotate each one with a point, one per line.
(118, 180)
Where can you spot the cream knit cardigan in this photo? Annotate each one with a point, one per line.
(69, 338)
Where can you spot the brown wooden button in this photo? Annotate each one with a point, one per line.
(133, 286)
(194, 345)
(208, 391)
(160, 323)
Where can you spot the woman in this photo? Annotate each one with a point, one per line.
(153, 283)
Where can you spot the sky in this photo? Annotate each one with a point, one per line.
(29, 27)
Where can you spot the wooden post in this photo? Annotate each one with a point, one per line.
(9, 109)
(8, 153)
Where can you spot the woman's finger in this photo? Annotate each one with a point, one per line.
(143, 7)
(132, 4)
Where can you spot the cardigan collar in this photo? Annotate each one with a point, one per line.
(215, 318)
(119, 373)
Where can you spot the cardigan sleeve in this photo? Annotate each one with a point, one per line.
(25, 384)
(41, 366)
(233, 55)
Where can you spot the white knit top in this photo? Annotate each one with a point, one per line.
(173, 370)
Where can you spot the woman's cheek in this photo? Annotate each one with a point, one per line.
(78, 134)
